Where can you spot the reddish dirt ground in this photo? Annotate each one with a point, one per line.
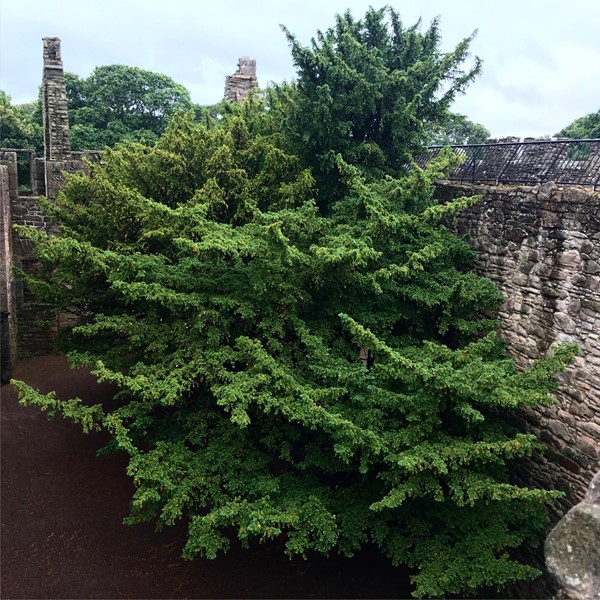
(62, 533)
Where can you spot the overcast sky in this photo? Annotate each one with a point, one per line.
(541, 57)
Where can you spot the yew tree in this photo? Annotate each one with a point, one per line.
(302, 359)
(369, 90)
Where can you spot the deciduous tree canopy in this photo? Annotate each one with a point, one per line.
(456, 129)
(17, 126)
(19, 129)
(117, 103)
(228, 288)
(583, 128)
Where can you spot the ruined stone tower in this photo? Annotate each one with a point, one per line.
(58, 157)
(242, 81)
(57, 143)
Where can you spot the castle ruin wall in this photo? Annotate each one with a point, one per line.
(541, 246)
(8, 309)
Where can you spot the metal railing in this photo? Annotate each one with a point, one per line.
(565, 162)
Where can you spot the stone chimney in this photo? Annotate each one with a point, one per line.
(242, 81)
(57, 144)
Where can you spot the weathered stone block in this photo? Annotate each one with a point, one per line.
(564, 322)
(570, 259)
(573, 548)
(591, 267)
(592, 429)
(578, 457)
(588, 448)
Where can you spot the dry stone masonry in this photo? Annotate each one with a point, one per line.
(22, 335)
(7, 297)
(242, 81)
(541, 245)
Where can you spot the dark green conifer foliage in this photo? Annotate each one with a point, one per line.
(231, 310)
(368, 90)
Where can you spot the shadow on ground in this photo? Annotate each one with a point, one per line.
(62, 531)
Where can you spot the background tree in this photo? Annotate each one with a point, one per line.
(456, 129)
(17, 125)
(19, 129)
(230, 308)
(117, 103)
(583, 128)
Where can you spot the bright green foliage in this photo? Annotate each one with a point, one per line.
(587, 127)
(117, 103)
(231, 310)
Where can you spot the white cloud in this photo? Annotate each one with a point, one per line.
(541, 57)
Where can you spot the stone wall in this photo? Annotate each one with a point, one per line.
(8, 158)
(55, 173)
(541, 245)
(36, 323)
(31, 326)
(8, 312)
(23, 334)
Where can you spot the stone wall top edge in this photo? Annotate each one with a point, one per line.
(529, 188)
